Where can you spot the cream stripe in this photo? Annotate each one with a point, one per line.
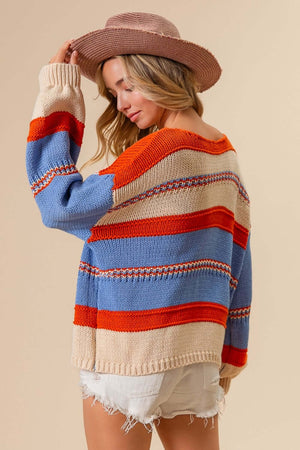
(181, 164)
(183, 201)
(83, 347)
(230, 371)
(141, 353)
(59, 91)
(44, 107)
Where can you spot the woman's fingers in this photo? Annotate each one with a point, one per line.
(74, 57)
(64, 55)
(61, 54)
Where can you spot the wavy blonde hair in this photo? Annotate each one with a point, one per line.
(168, 83)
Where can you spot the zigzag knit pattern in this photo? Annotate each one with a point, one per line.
(165, 273)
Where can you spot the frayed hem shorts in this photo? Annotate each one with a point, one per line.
(192, 389)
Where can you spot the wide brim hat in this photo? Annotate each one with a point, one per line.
(144, 33)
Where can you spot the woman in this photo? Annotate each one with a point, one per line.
(164, 285)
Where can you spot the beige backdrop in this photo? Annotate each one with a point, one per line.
(256, 103)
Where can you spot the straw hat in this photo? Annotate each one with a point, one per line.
(144, 33)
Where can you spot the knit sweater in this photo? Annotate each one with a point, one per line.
(165, 274)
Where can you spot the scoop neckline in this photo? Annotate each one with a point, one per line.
(183, 130)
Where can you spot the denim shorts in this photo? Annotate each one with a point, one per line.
(192, 389)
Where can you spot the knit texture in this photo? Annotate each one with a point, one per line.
(165, 273)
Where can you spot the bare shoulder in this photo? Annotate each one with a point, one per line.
(208, 131)
(196, 124)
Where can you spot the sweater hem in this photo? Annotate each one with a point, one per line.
(146, 368)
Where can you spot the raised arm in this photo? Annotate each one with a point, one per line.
(54, 141)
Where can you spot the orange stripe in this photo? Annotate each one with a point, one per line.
(233, 355)
(151, 149)
(85, 316)
(55, 122)
(132, 321)
(220, 217)
(240, 235)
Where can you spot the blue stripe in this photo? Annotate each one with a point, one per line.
(237, 333)
(210, 243)
(157, 292)
(49, 152)
(73, 205)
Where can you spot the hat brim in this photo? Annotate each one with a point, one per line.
(99, 45)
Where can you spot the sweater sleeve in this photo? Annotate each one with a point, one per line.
(55, 135)
(234, 355)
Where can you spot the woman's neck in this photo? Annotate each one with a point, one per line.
(176, 119)
(188, 119)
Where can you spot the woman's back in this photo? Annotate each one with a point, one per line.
(164, 282)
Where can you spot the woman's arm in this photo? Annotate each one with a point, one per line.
(234, 356)
(54, 141)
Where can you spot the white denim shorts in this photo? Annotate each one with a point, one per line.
(192, 389)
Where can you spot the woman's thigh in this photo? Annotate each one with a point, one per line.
(104, 431)
(181, 433)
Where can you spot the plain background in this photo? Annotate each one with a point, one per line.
(256, 104)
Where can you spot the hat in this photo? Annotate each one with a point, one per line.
(144, 33)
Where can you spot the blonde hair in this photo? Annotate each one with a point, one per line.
(168, 83)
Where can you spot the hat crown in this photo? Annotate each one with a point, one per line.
(143, 21)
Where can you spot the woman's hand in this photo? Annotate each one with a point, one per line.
(64, 55)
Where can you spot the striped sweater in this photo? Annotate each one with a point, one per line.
(165, 274)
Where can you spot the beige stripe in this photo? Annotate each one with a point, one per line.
(83, 347)
(183, 201)
(59, 91)
(225, 383)
(141, 353)
(70, 100)
(230, 371)
(181, 164)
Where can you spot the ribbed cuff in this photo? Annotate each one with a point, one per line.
(59, 74)
(225, 384)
